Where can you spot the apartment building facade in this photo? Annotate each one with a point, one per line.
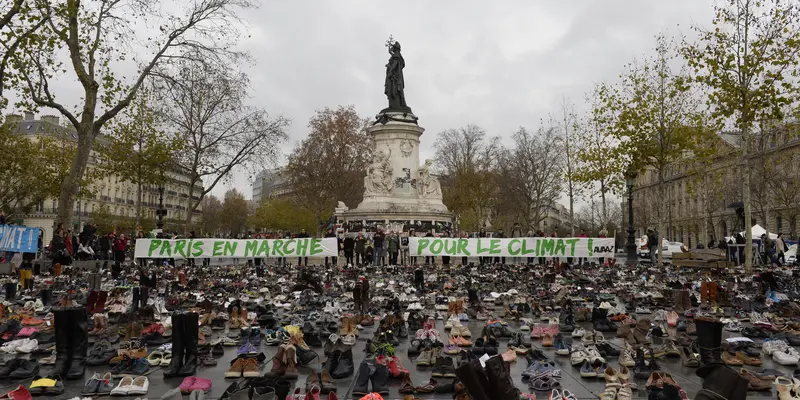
(110, 192)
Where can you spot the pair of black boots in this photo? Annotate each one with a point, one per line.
(490, 383)
(11, 291)
(371, 372)
(340, 363)
(140, 296)
(184, 345)
(600, 320)
(719, 380)
(72, 341)
(27, 284)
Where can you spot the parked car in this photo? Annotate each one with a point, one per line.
(671, 247)
(641, 249)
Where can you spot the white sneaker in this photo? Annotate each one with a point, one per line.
(27, 346)
(787, 356)
(772, 346)
(578, 332)
(38, 305)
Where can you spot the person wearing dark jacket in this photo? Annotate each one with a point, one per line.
(348, 245)
(500, 235)
(484, 260)
(106, 242)
(379, 251)
(430, 259)
(300, 260)
(335, 259)
(360, 248)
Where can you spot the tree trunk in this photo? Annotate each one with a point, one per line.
(660, 216)
(571, 211)
(69, 187)
(748, 247)
(603, 199)
(138, 205)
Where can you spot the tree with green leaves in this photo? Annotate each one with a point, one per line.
(136, 150)
(656, 121)
(94, 37)
(283, 215)
(18, 24)
(329, 165)
(747, 65)
(32, 168)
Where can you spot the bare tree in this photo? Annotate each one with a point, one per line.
(205, 107)
(566, 123)
(466, 160)
(531, 173)
(97, 38)
(329, 165)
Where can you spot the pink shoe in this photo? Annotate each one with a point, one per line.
(313, 394)
(296, 395)
(202, 384)
(186, 385)
(332, 396)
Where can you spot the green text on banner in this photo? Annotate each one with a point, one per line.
(512, 247)
(235, 248)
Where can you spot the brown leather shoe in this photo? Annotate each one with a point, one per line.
(728, 359)
(754, 382)
(747, 360)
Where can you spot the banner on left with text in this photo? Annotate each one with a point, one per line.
(235, 248)
(19, 239)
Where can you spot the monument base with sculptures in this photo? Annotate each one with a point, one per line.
(399, 193)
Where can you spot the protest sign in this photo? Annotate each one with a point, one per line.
(512, 247)
(19, 239)
(235, 248)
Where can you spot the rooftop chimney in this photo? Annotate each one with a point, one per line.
(28, 116)
(50, 119)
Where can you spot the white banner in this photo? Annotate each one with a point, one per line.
(512, 247)
(236, 248)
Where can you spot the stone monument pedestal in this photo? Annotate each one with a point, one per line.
(398, 191)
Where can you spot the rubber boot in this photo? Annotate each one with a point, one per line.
(11, 291)
(725, 382)
(177, 346)
(500, 382)
(709, 341)
(137, 295)
(361, 386)
(189, 332)
(472, 375)
(677, 300)
(278, 366)
(29, 283)
(61, 322)
(144, 294)
(46, 295)
(79, 343)
(100, 304)
(687, 299)
(379, 378)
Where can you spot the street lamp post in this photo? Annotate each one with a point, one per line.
(630, 181)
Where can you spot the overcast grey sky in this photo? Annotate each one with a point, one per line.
(498, 64)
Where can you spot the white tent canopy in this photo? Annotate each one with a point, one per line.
(758, 230)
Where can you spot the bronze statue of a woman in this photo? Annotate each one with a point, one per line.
(395, 84)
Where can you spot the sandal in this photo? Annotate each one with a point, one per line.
(166, 359)
(544, 384)
(155, 358)
(610, 393)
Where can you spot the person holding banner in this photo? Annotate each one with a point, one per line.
(301, 260)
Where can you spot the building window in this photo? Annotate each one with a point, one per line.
(40, 206)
